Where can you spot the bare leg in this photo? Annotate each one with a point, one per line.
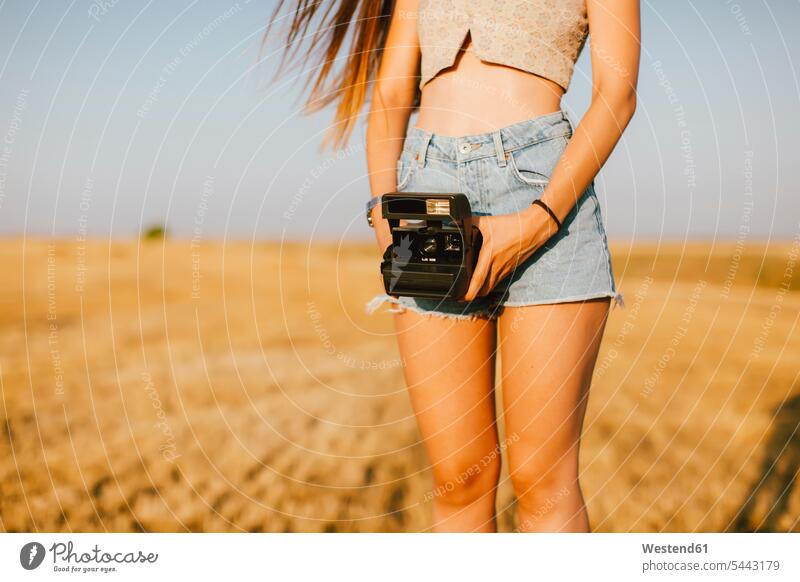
(548, 353)
(450, 367)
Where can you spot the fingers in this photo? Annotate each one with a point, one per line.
(488, 284)
(475, 283)
(481, 271)
(382, 231)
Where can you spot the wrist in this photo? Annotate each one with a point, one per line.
(372, 203)
(538, 225)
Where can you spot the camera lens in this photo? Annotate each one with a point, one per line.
(429, 246)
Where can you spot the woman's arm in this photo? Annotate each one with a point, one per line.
(392, 99)
(615, 46)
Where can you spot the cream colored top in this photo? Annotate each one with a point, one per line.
(543, 37)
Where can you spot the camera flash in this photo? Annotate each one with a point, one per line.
(437, 206)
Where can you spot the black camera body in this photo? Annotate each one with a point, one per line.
(433, 254)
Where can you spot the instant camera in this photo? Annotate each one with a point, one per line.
(434, 250)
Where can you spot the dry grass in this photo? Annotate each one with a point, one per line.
(269, 401)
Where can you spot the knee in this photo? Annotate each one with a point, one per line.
(540, 489)
(465, 480)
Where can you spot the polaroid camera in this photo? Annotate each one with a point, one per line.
(433, 253)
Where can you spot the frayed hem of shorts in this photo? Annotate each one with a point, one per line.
(619, 300)
(374, 303)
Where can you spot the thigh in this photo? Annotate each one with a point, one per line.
(449, 369)
(548, 353)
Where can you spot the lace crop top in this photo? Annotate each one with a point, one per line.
(543, 37)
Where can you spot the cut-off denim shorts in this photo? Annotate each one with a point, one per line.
(503, 172)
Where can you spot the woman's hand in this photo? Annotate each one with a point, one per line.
(383, 233)
(508, 240)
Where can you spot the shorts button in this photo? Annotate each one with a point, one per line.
(465, 148)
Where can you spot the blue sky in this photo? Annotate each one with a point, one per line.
(118, 115)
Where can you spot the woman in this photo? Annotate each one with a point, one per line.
(487, 78)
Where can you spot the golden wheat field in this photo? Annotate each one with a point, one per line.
(160, 385)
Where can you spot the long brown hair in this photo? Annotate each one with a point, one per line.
(347, 86)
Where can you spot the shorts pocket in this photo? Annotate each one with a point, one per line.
(405, 168)
(533, 165)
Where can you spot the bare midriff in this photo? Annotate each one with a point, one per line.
(475, 96)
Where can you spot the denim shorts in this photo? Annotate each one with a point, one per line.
(503, 172)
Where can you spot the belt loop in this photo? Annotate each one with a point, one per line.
(423, 150)
(498, 148)
(566, 116)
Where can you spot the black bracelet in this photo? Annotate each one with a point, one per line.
(549, 211)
